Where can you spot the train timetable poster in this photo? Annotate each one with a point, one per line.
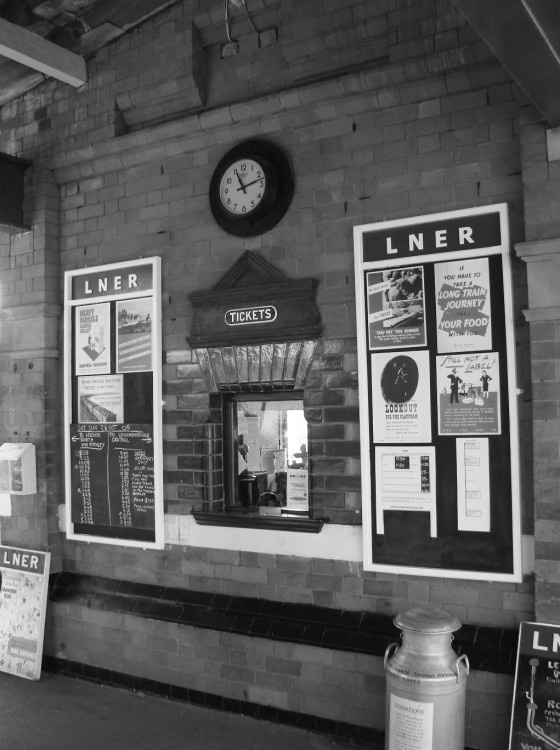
(113, 417)
(438, 410)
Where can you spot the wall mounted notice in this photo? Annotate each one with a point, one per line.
(401, 397)
(23, 604)
(405, 481)
(411, 724)
(113, 416)
(438, 403)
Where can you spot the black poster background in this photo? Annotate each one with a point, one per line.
(406, 540)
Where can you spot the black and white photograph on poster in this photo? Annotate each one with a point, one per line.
(401, 397)
(396, 313)
(92, 339)
(405, 480)
(463, 312)
(468, 394)
(100, 399)
(134, 335)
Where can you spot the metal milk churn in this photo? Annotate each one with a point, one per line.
(426, 684)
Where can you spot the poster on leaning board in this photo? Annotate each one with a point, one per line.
(113, 413)
(437, 396)
(535, 715)
(23, 605)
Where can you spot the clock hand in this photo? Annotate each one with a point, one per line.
(249, 183)
(239, 179)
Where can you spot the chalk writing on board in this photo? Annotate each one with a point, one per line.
(112, 473)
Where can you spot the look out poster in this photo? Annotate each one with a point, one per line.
(437, 396)
(23, 603)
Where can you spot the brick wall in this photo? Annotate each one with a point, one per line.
(386, 112)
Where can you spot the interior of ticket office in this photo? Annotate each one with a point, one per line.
(278, 313)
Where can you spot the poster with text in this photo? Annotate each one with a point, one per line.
(401, 397)
(535, 717)
(23, 603)
(92, 344)
(473, 484)
(463, 312)
(396, 313)
(405, 480)
(134, 335)
(101, 398)
(468, 394)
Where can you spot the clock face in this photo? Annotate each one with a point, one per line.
(251, 188)
(243, 187)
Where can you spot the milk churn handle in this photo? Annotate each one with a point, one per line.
(391, 649)
(465, 661)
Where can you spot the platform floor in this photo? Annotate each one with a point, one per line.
(63, 713)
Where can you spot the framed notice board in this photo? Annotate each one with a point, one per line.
(113, 418)
(535, 715)
(438, 409)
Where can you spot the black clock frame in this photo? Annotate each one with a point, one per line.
(278, 194)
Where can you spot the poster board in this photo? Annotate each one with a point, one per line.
(535, 715)
(438, 402)
(23, 605)
(113, 416)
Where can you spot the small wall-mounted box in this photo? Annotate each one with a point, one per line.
(18, 474)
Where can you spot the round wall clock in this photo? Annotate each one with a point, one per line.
(251, 188)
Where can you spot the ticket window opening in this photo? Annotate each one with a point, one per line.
(18, 475)
(268, 463)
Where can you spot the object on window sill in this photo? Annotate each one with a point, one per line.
(269, 504)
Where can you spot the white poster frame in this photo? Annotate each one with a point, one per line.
(118, 294)
(416, 256)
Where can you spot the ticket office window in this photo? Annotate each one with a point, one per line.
(266, 454)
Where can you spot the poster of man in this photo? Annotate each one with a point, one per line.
(396, 314)
(468, 394)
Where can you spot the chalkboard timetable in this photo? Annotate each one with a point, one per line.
(114, 475)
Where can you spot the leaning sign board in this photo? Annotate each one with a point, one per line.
(438, 411)
(113, 417)
(535, 719)
(23, 603)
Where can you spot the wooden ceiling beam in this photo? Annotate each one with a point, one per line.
(27, 48)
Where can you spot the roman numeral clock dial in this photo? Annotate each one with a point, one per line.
(251, 188)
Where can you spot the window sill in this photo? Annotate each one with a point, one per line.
(284, 522)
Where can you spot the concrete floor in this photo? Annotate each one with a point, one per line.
(63, 713)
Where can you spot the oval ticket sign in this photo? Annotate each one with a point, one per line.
(247, 315)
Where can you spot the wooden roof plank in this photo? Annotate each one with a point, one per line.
(37, 53)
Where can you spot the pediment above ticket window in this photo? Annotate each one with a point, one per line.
(256, 329)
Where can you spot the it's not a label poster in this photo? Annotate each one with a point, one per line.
(468, 394)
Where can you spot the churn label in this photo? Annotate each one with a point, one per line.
(411, 724)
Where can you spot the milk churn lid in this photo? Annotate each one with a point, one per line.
(427, 621)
